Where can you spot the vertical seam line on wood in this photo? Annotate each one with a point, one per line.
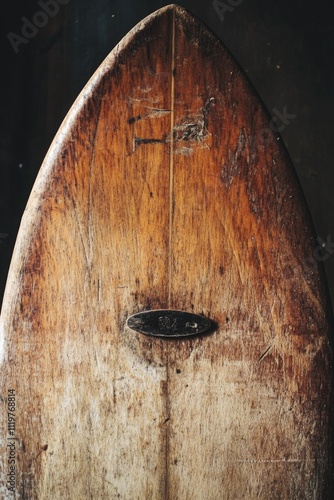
(170, 248)
(171, 165)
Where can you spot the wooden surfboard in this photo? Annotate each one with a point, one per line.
(166, 193)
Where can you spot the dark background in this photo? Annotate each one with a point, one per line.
(286, 47)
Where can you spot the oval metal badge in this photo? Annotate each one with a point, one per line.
(168, 323)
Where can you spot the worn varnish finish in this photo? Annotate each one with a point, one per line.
(153, 196)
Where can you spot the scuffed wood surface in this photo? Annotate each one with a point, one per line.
(153, 196)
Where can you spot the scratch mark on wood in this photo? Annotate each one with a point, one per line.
(264, 354)
(231, 167)
(138, 141)
(158, 111)
(155, 113)
(135, 119)
(80, 229)
(99, 290)
(91, 167)
(153, 100)
(193, 129)
(184, 151)
(279, 460)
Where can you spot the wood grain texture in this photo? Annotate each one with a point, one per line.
(153, 196)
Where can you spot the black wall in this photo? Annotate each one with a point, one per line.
(286, 47)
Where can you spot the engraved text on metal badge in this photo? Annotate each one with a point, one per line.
(168, 323)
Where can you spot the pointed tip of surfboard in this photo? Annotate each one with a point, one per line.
(174, 8)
